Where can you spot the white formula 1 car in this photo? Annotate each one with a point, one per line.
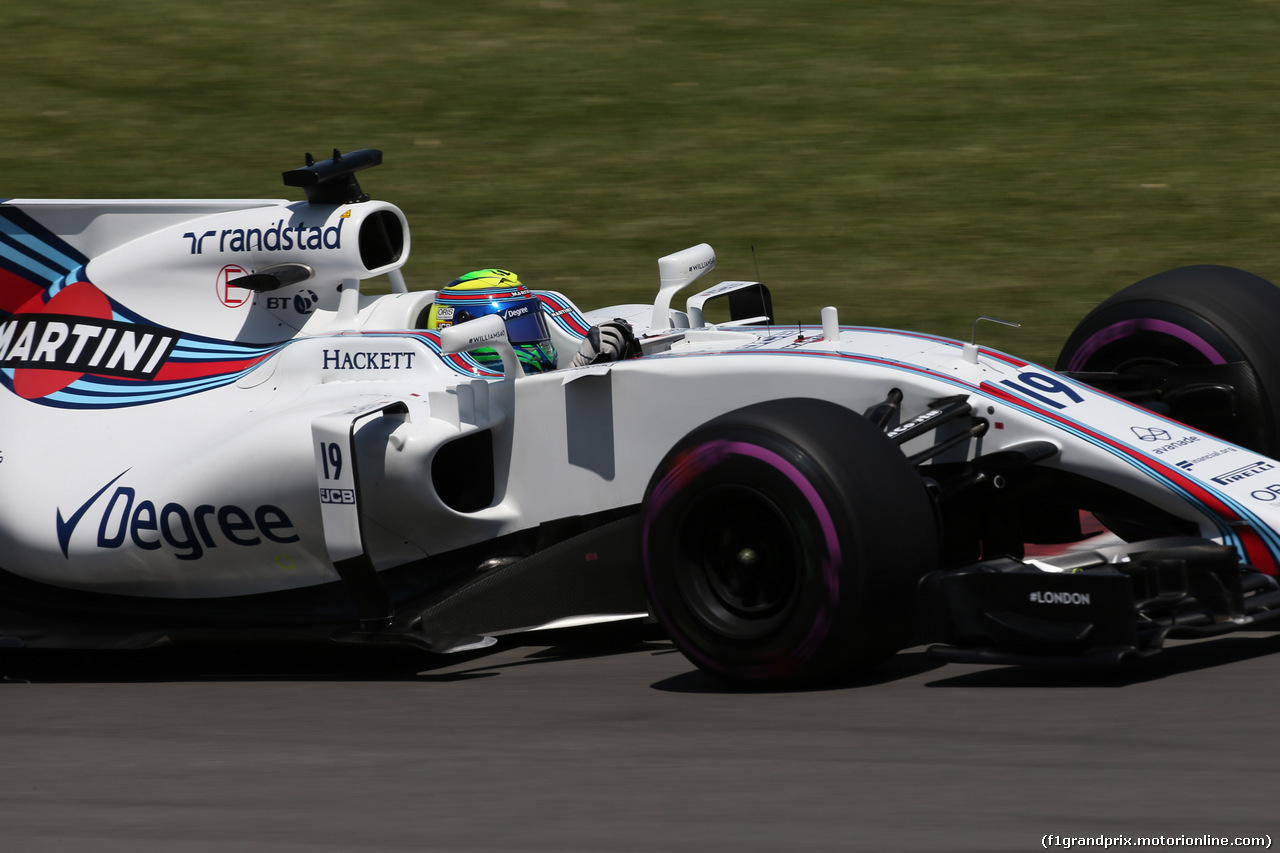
(207, 430)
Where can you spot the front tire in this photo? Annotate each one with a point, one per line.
(1197, 324)
(782, 544)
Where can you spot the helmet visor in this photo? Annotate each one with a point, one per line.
(525, 321)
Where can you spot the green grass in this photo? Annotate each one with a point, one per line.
(914, 163)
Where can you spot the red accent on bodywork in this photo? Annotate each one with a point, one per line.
(15, 291)
(196, 369)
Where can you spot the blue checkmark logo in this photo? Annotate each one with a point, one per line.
(67, 526)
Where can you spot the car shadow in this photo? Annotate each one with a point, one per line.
(306, 661)
(265, 661)
(334, 662)
(1173, 661)
(902, 665)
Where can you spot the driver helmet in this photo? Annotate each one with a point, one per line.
(500, 292)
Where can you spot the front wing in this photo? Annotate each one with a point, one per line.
(1107, 605)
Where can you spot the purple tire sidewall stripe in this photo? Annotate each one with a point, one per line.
(1128, 328)
(709, 455)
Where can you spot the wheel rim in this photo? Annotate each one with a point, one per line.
(741, 562)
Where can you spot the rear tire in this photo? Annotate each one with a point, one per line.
(783, 543)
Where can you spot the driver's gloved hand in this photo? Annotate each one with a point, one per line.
(611, 340)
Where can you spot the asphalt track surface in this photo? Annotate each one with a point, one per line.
(623, 745)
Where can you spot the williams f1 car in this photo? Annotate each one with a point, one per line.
(209, 430)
